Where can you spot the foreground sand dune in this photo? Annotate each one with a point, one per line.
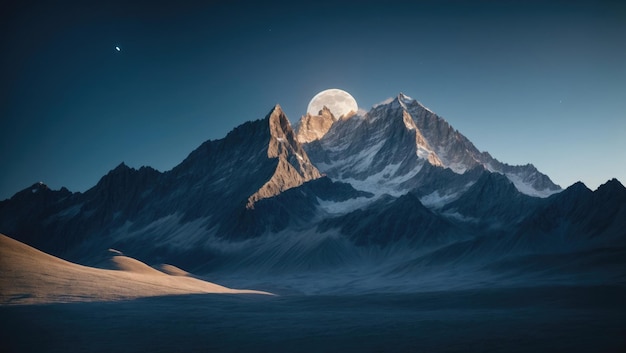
(29, 276)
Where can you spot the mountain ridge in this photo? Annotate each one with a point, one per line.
(374, 193)
(435, 141)
(294, 167)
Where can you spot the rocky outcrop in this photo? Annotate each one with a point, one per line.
(314, 127)
(397, 137)
(294, 167)
(423, 148)
(398, 179)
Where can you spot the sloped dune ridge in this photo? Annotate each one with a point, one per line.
(29, 276)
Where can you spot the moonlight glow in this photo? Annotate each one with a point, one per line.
(339, 102)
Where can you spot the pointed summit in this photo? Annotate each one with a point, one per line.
(404, 99)
(326, 112)
(314, 127)
(612, 190)
(411, 103)
(394, 132)
(37, 189)
(611, 186)
(293, 165)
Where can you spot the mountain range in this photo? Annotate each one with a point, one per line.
(393, 199)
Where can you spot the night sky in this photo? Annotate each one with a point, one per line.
(529, 82)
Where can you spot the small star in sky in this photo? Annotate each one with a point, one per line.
(118, 48)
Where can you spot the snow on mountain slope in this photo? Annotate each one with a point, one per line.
(206, 195)
(403, 191)
(389, 144)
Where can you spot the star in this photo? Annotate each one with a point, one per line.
(118, 48)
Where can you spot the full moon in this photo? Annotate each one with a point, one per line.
(337, 101)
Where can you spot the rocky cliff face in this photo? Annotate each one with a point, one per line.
(216, 186)
(403, 192)
(294, 167)
(314, 127)
(388, 146)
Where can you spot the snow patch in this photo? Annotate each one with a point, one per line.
(385, 102)
(380, 183)
(526, 188)
(458, 168)
(423, 152)
(367, 156)
(405, 99)
(342, 207)
(436, 200)
(425, 107)
(459, 217)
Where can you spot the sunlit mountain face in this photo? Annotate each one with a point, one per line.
(395, 194)
(390, 205)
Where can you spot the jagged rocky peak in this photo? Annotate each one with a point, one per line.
(612, 185)
(38, 187)
(404, 100)
(314, 127)
(453, 150)
(326, 113)
(123, 174)
(401, 101)
(293, 168)
(408, 102)
(283, 142)
(400, 129)
(37, 190)
(612, 190)
(395, 113)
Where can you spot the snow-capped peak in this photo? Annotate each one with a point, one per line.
(400, 101)
(404, 98)
(400, 129)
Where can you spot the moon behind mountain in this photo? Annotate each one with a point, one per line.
(338, 101)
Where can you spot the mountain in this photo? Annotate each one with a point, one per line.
(256, 160)
(393, 198)
(314, 127)
(389, 220)
(294, 167)
(573, 237)
(388, 146)
(492, 201)
(213, 192)
(578, 217)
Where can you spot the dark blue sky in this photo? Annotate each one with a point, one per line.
(530, 82)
